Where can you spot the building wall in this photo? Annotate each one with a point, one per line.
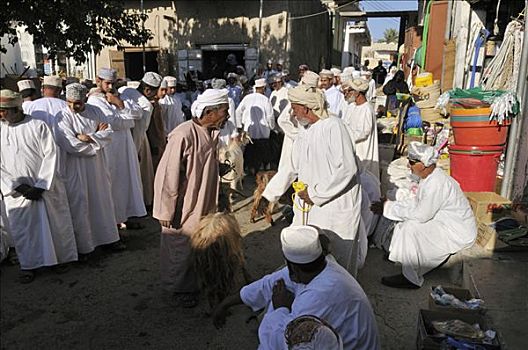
(181, 24)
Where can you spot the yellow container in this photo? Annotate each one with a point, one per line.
(423, 80)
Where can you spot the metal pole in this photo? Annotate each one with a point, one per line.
(511, 152)
(143, 29)
(259, 33)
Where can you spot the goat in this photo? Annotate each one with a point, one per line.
(218, 258)
(261, 206)
(233, 155)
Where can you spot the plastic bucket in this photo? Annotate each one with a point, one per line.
(472, 127)
(475, 167)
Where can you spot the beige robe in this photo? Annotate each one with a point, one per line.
(185, 189)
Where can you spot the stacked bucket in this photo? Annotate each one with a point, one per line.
(479, 143)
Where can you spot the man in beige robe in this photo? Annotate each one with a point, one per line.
(186, 188)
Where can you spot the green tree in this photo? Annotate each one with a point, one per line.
(75, 27)
(390, 35)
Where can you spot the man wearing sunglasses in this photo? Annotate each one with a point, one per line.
(435, 224)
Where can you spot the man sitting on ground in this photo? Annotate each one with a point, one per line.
(433, 225)
(310, 284)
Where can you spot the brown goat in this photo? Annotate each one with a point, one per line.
(261, 206)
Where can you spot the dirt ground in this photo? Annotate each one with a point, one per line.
(115, 300)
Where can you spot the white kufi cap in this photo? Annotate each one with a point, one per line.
(76, 92)
(426, 154)
(171, 81)
(25, 84)
(336, 71)
(260, 83)
(326, 73)
(107, 74)
(153, 79)
(52, 80)
(300, 244)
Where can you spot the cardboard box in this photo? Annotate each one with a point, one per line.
(461, 294)
(488, 206)
(428, 339)
(487, 237)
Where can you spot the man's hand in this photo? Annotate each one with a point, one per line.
(282, 297)
(84, 138)
(115, 100)
(102, 127)
(22, 189)
(377, 207)
(165, 223)
(34, 193)
(305, 197)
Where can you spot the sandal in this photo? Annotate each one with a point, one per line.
(186, 300)
(26, 276)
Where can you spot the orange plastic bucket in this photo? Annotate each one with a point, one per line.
(472, 127)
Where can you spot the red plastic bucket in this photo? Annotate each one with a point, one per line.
(475, 167)
(472, 127)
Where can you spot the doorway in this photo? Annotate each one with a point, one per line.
(134, 64)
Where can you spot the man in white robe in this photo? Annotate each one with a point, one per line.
(370, 94)
(147, 89)
(310, 284)
(279, 183)
(28, 91)
(82, 132)
(288, 82)
(323, 159)
(433, 225)
(333, 96)
(361, 121)
(229, 132)
(35, 197)
(173, 115)
(256, 115)
(121, 155)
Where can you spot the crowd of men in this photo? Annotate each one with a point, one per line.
(75, 169)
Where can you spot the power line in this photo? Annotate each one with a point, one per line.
(324, 12)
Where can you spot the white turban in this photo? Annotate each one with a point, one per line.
(76, 92)
(153, 79)
(25, 84)
(164, 84)
(426, 154)
(10, 99)
(310, 78)
(210, 97)
(107, 74)
(300, 244)
(310, 97)
(311, 333)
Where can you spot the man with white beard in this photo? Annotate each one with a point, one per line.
(324, 162)
(82, 133)
(173, 115)
(34, 196)
(279, 183)
(121, 154)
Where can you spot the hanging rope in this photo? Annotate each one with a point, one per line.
(503, 71)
